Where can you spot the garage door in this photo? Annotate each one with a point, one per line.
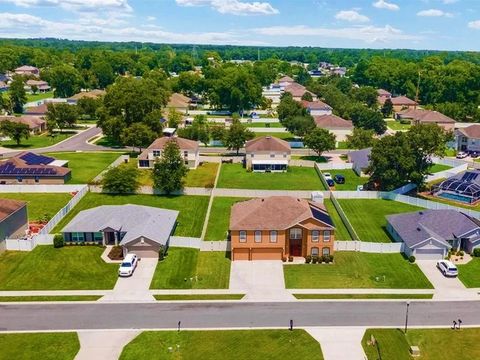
(241, 254)
(429, 254)
(266, 254)
(143, 251)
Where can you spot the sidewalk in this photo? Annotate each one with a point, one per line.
(339, 343)
(105, 345)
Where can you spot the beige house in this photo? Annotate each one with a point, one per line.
(335, 124)
(420, 116)
(36, 124)
(403, 103)
(188, 149)
(267, 154)
(297, 91)
(179, 102)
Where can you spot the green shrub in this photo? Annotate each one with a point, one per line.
(331, 258)
(58, 241)
(314, 259)
(161, 254)
(476, 252)
(412, 259)
(308, 259)
(290, 259)
(116, 253)
(326, 259)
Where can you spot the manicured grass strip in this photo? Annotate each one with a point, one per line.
(86, 165)
(319, 159)
(44, 346)
(199, 297)
(264, 125)
(216, 345)
(469, 274)
(219, 219)
(341, 232)
(287, 136)
(368, 216)
(190, 220)
(202, 176)
(396, 125)
(47, 268)
(362, 296)
(38, 141)
(435, 168)
(352, 180)
(235, 176)
(187, 268)
(39, 96)
(49, 298)
(40, 206)
(357, 270)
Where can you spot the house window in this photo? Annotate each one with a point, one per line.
(258, 236)
(326, 251)
(284, 155)
(272, 155)
(273, 236)
(315, 235)
(295, 233)
(19, 179)
(185, 153)
(252, 155)
(37, 179)
(243, 236)
(156, 152)
(326, 236)
(97, 237)
(78, 237)
(314, 251)
(143, 163)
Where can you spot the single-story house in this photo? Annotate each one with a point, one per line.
(27, 70)
(38, 110)
(179, 102)
(430, 234)
(13, 220)
(317, 108)
(280, 226)
(92, 94)
(31, 168)
(403, 103)
(36, 124)
(297, 91)
(468, 139)
(267, 154)
(420, 116)
(139, 229)
(285, 81)
(41, 85)
(360, 160)
(340, 127)
(189, 150)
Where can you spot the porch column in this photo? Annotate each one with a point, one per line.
(116, 238)
(103, 238)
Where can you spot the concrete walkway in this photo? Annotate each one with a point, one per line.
(104, 345)
(339, 343)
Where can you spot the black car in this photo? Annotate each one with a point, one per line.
(339, 179)
(330, 182)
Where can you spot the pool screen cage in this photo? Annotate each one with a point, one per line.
(465, 187)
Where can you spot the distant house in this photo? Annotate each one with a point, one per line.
(41, 85)
(403, 103)
(360, 160)
(420, 116)
(13, 220)
(317, 108)
(285, 81)
(468, 139)
(179, 102)
(92, 94)
(340, 127)
(429, 234)
(38, 110)
(297, 91)
(36, 124)
(267, 154)
(383, 95)
(27, 70)
(142, 230)
(30, 168)
(280, 226)
(339, 71)
(189, 150)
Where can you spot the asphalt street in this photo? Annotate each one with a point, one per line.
(18, 317)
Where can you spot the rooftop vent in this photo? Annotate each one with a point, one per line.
(418, 229)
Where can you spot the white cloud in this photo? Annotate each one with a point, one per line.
(382, 4)
(76, 5)
(474, 24)
(448, 2)
(352, 16)
(434, 13)
(234, 7)
(151, 18)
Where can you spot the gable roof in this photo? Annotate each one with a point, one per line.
(360, 158)
(93, 94)
(32, 121)
(425, 116)
(267, 143)
(383, 92)
(10, 206)
(332, 122)
(178, 100)
(316, 105)
(26, 68)
(287, 79)
(37, 110)
(297, 90)
(159, 144)
(472, 131)
(402, 100)
(276, 213)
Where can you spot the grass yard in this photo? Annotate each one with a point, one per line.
(39, 346)
(397, 126)
(39, 96)
(342, 145)
(186, 268)
(469, 274)
(319, 159)
(190, 220)
(235, 176)
(368, 216)
(226, 344)
(107, 142)
(49, 298)
(264, 125)
(47, 268)
(287, 136)
(352, 180)
(435, 168)
(220, 217)
(202, 176)
(394, 344)
(86, 165)
(199, 297)
(361, 296)
(341, 232)
(38, 141)
(357, 270)
(40, 206)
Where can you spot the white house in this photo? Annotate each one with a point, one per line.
(188, 149)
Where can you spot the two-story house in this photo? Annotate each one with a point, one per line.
(317, 108)
(468, 139)
(188, 150)
(267, 154)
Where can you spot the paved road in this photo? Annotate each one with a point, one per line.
(14, 317)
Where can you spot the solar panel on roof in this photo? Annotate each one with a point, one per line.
(319, 215)
(35, 159)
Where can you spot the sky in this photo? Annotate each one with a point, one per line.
(412, 24)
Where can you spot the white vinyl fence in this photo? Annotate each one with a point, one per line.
(369, 247)
(334, 166)
(197, 243)
(40, 188)
(20, 244)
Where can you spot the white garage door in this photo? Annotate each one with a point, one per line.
(429, 254)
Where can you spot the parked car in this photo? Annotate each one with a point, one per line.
(447, 268)
(474, 154)
(339, 179)
(330, 182)
(128, 266)
(461, 155)
(327, 175)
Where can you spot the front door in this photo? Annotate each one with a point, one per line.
(295, 247)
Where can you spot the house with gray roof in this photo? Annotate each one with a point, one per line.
(360, 160)
(139, 229)
(429, 234)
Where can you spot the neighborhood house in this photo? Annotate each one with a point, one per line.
(463, 187)
(468, 139)
(27, 70)
(188, 150)
(267, 154)
(317, 108)
(335, 124)
(420, 116)
(13, 220)
(36, 124)
(360, 160)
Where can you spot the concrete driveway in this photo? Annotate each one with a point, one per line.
(260, 280)
(135, 287)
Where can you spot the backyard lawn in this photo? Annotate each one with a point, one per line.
(352, 180)
(86, 165)
(235, 176)
(219, 219)
(469, 273)
(38, 141)
(368, 216)
(47, 268)
(187, 268)
(202, 176)
(394, 344)
(287, 136)
(39, 96)
(357, 270)
(264, 125)
(319, 159)
(190, 220)
(40, 206)
(225, 344)
(435, 168)
(341, 232)
(396, 125)
(44, 346)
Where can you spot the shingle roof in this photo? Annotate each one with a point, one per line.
(472, 131)
(32, 121)
(332, 122)
(425, 116)
(93, 94)
(136, 220)
(267, 143)
(383, 92)
(159, 144)
(297, 90)
(9, 206)
(286, 79)
(402, 100)
(360, 158)
(26, 68)
(316, 105)
(178, 100)
(37, 110)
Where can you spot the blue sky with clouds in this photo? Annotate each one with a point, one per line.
(418, 24)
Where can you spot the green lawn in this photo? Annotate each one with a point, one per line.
(199, 297)
(86, 165)
(352, 180)
(368, 216)
(49, 298)
(219, 219)
(39, 346)
(190, 220)
(264, 125)
(107, 142)
(226, 344)
(38, 141)
(287, 136)
(319, 159)
(435, 168)
(433, 344)
(342, 145)
(341, 232)
(357, 270)
(47, 268)
(396, 125)
(469, 273)
(187, 268)
(202, 176)
(39, 96)
(361, 296)
(235, 176)
(40, 206)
